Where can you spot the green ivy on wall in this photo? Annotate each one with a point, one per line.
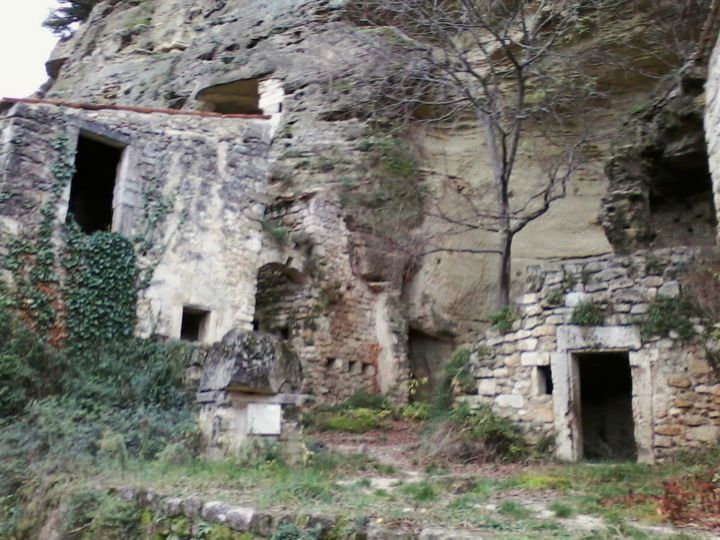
(101, 286)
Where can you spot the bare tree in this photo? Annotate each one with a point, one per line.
(511, 67)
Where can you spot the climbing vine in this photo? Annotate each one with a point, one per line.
(101, 286)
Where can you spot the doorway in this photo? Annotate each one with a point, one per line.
(605, 403)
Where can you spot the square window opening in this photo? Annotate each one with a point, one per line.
(92, 187)
(194, 324)
(544, 381)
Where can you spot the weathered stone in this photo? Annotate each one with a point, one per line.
(679, 381)
(514, 401)
(215, 511)
(704, 433)
(670, 289)
(670, 430)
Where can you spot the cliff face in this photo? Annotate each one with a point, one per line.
(350, 304)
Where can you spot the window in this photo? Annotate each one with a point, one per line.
(93, 185)
(194, 324)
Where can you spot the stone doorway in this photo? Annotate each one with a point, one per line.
(623, 364)
(605, 406)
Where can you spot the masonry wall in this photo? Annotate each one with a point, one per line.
(675, 390)
(349, 335)
(187, 194)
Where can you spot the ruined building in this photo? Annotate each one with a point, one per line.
(222, 140)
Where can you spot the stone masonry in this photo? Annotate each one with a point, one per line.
(675, 390)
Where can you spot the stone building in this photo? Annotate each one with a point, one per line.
(222, 139)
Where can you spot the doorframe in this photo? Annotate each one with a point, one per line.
(573, 339)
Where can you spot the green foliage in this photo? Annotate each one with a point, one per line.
(368, 400)
(359, 420)
(91, 514)
(561, 510)
(457, 373)
(503, 319)
(513, 509)
(554, 297)
(278, 232)
(70, 12)
(588, 314)
(422, 491)
(670, 315)
(102, 286)
(501, 438)
(416, 411)
(290, 531)
(29, 367)
(393, 194)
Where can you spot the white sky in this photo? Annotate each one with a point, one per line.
(24, 46)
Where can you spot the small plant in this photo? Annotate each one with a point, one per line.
(503, 319)
(561, 510)
(415, 411)
(654, 266)
(419, 491)
(279, 233)
(588, 314)
(554, 298)
(669, 315)
(457, 374)
(513, 509)
(358, 420)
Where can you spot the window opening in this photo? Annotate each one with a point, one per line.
(544, 380)
(93, 184)
(194, 324)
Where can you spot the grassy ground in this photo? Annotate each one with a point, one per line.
(589, 501)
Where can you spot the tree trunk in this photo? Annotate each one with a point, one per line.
(504, 271)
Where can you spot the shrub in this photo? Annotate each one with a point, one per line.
(415, 411)
(503, 319)
(476, 434)
(358, 420)
(669, 315)
(588, 314)
(457, 374)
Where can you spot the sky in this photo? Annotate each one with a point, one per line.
(24, 46)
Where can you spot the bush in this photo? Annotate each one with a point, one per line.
(456, 374)
(476, 434)
(29, 367)
(588, 314)
(503, 319)
(358, 420)
(669, 315)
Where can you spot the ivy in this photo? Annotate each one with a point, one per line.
(102, 286)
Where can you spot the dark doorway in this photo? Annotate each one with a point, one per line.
(608, 430)
(194, 324)
(428, 357)
(93, 185)
(237, 97)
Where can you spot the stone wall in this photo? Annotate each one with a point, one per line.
(675, 390)
(350, 334)
(187, 193)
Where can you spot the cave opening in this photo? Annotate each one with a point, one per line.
(237, 97)
(277, 286)
(428, 357)
(92, 186)
(607, 424)
(681, 200)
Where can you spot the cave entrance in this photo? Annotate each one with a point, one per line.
(428, 357)
(93, 185)
(277, 287)
(681, 200)
(237, 97)
(606, 415)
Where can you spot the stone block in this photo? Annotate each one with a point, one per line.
(670, 289)
(530, 298)
(679, 381)
(512, 401)
(703, 433)
(528, 345)
(670, 430)
(663, 442)
(215, 511)
(512, 361)
(574, 299)
(264, 418)
(544, 330)
(239, 518)
(639, 309)
(487, 387)
(535, 359)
